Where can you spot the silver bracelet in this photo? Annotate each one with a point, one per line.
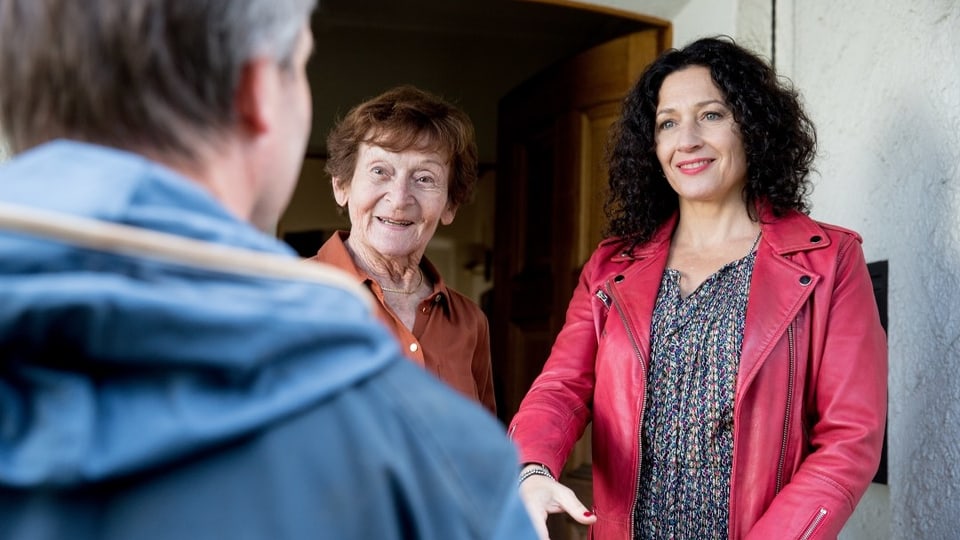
(536, 470)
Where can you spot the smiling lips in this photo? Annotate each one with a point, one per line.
(694, 166)
(396, 223)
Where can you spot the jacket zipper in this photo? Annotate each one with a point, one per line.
(791, 374)
(636, 350)
(822, 513)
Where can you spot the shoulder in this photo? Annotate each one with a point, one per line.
(334, 252)
(462, 311)
(615, 252)
(442, 448)
(610, 247)
(460, 300)
(462, 307)
(794, 218)
(796, 232)
(841, 233)
(623, 249)
(413, 454)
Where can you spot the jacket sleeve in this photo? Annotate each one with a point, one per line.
(845, 408)
(556, 409)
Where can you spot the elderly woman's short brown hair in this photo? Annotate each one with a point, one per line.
(402, 118)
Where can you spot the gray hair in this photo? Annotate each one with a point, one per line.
(136, 74)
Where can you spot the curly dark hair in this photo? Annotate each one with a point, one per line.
(778, 137)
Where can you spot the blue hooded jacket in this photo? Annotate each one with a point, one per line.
(143, 397)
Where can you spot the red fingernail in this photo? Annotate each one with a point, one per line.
(587, 514)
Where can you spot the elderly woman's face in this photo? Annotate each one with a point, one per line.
(699, 144)
(396, 199)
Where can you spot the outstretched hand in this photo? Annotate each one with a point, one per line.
(544, 496)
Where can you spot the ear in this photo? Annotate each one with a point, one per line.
(256, 95)
(448, 214)
(341, 192)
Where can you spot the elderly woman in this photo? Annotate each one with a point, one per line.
(402, 163)
(726, 347)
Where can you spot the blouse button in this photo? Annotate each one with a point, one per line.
(438, 298)
(424, 309)
(414, 347)
(618, 278)
(805, 280)
(816, 239)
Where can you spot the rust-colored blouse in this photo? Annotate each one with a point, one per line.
(450, 337)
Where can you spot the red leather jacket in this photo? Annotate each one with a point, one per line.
(811, 390)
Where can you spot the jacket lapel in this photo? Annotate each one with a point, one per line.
(779, 287)
(637, 291)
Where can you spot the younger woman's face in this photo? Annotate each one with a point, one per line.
(698, 142)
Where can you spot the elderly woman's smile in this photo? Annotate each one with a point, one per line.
(399, 223)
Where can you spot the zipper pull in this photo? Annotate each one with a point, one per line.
(604, 297)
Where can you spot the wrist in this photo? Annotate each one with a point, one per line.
(535, 469)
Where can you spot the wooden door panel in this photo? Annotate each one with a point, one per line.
(551, 186)
(593, 186)
(552, 134)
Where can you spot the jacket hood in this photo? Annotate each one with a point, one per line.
(115, 364)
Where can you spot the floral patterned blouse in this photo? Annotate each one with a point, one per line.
(687, 432)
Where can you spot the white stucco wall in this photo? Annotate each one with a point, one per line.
(881, 79)
(882, 82)
(700, 18)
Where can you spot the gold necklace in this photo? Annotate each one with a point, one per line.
(402, 291)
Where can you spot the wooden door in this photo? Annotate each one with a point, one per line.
(551, 185)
